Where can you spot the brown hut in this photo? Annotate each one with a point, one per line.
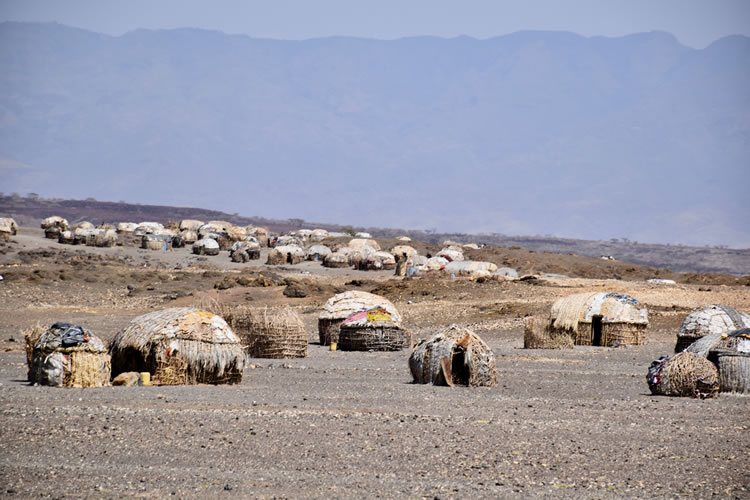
(67, 355)
(372, 330)
(336, 260)
(285, 254)
(156, 242)
(684, 374)
(601, 319)
(731, 355)
(244, 251)
(268, 333)
(179, 346)
(713, 319)
(53, 226)
(539, 334)
(341, 306)
(455, 356)
(8, 228)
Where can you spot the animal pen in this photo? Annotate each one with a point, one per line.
(179, 346)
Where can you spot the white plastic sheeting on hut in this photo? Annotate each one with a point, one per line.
(567, 312)
(470, 268)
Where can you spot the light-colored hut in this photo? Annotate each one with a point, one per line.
(260, 233)
(286, 240)
(336, 259)
(268, 333)
(66, 238)
(713, 319)
(244, 251)
(206, 246)
(358, 243)
(153, 241)
(67, 355)
(179, 346)
(8, 228)
(377, 261)
(684, 374)
(318, 253)
(148, 228)
(126, 227)
(452, 254)
(403, 238)
(601, 319)
(105, 238)
(319, 234)
(285, 254)
(190, 225)
(407, 250)
(436, 263)
(454, 356)
(470, 268)
(343, 305)
(53, 226)
(363, 235)
(506, 273)
(372, 330)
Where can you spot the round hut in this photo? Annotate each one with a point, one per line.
(336, 260)
(190, 225)
(67, 355)
(188, 236)
(285, 254)
(318, 253)
(269, 333)
(684, 374)
(343, 305)
(731, 355)
(452, 254)
(403, 238)
(244, 251)
(372, 330)
(153, 241)
(206, 246)
(148, 228)
(105, 238)
(53, 226)
(713, 319)
(377, 261)
(470, 268)
(319, 234)
(436, 263)
(8, 228)
(359, 242)
(601, 319)
(179, 346)
(455, 356)
(126, 227)
(260, 233)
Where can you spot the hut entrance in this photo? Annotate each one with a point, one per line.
(458, 373)
(596, 330)
(289, 259)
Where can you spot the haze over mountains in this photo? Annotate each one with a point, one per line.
(529, 133)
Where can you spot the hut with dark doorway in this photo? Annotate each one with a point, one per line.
(601, 319)
(343, 305)
(285, 254)
(179, 346)
(244, 251)
(66, 355)
(206, 246)
(712, 319)
(53, 226)
(372, 330)
(454, 356)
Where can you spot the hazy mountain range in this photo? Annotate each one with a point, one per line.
(529, 133)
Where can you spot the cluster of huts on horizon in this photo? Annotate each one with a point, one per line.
(331, 249)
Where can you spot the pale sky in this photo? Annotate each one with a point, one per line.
(695, 23)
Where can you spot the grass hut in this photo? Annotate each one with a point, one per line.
(244, 251)
(403, 238)
(336, 260)
(260, 233)
(105, 238)
(470, 268)
(8, 228)
(601, 319)
(156, 242)
(206, 246)
(319, 234)
(451, 254)
(148, 228)
(188, 236)
(190, 225)
(377, 261)
(53, 226)
(713, 319)
(684, 374)
(455, 356)
(359, 242)
(126, 227)
(285, 254)
(179, 346)
(372, 330)
(269, 333)
(343, 305)
(66, 355)
(539, 334)
(318, 253)
(404, 250)
(731, 355)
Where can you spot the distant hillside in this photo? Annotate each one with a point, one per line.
(530, 133)
(29, 211)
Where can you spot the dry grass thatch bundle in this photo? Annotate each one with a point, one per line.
(285, 254)
(731, 354)
(66, 355)
(343, 305)
(455, 356)
(539, 334)
(179, 346)
(684, 374)
(710, 320)
(265, 333)
(601, 318)
(372, 330)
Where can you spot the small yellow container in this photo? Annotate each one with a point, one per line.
(145, 378)
(333, 346)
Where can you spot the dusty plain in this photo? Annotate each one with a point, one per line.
(569, 423)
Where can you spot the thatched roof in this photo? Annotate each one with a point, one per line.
(436, 263)
(567, 312)
(295, 250)
(454, 356)
(471, 268)
(343, 305)
(403, 238)
(55, 221)
(8, 225)
(206, 243)
(451, 254)
(190, 224)
(126, 227)
(684, 374)
(359, 243)
(203, 339)
(319, 251)
(404, 249)
(715, 318)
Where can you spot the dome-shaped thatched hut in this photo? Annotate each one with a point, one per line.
(455, 356)
(601, 319)
(8, 228)
(244, 251)
(190, 225)
(53, 226)
(372, 330)
(470, 268)
(377, 261)
(713, 319)
(269, 333)
(156, 241)
(731, 355)
(341, 306)
(684, 374)
(67, 355)
(336, 259)
(179, 346)
(206, 246)
(285, 254)
(318, 253)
